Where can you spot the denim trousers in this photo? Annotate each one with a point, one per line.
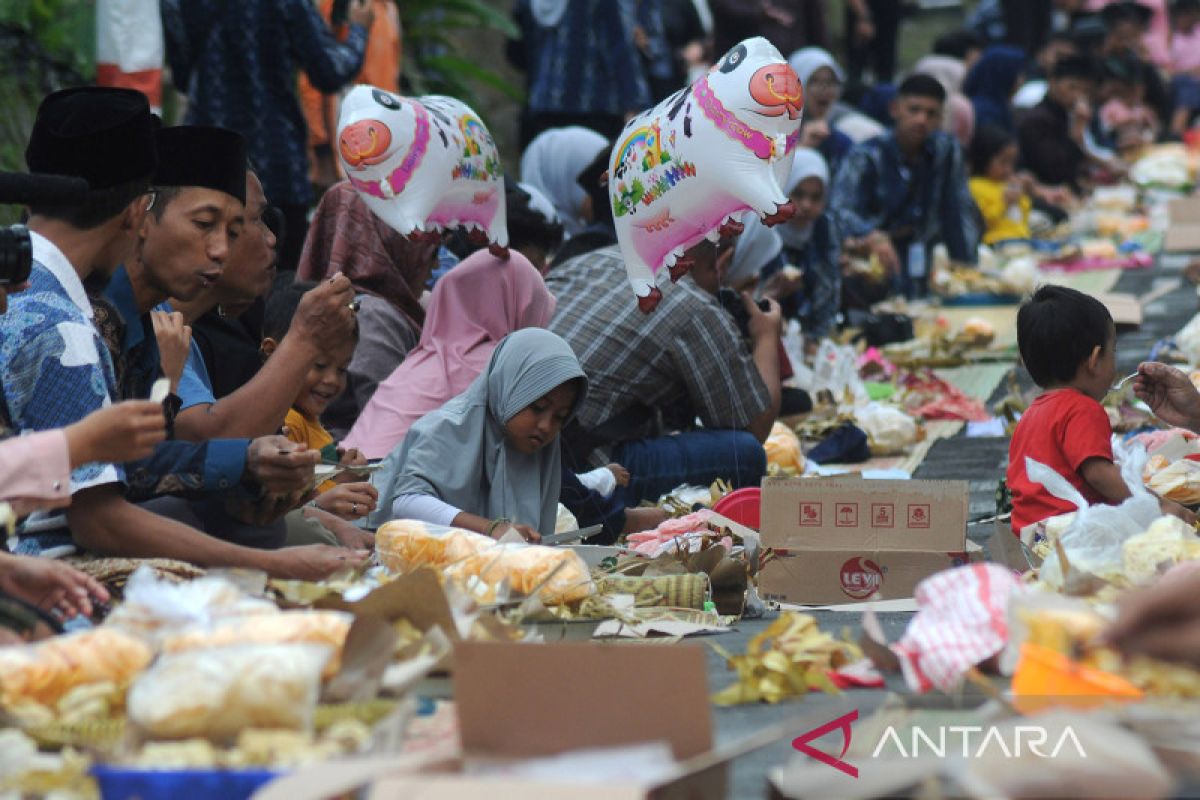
(656, 466)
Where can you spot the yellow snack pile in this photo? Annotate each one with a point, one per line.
(788, 659)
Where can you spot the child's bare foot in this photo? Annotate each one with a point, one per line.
(620, 473)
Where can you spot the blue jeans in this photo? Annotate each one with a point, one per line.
(656, 466)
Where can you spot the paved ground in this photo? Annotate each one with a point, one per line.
(982, 462)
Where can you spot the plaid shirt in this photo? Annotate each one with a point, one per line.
(876, 189)
(685, 359)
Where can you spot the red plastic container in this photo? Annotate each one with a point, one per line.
(743, 506)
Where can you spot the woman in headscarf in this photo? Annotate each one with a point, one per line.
(823, 79)
(552, 164)
(812, 246)
(991, 83)
(389, 273)
(472, 308)
(489, 459)
(959, 120)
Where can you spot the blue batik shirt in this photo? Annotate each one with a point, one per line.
(588, 63)
(876, 189)
(54, 367)
(237, 62)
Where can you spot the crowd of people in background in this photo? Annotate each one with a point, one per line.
(296, 329)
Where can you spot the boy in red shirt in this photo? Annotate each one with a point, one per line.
(1068, 343)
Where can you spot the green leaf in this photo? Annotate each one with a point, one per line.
(456, 65)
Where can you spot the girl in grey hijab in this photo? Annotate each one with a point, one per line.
(489, 458)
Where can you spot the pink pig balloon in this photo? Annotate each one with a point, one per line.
(423, 165)
(684, 170)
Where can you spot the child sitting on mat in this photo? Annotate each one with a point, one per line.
(1068, 343)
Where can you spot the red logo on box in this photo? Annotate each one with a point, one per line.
(810, 515)
(883, 515)
(918, 515)
(861, 578)
(845, 515)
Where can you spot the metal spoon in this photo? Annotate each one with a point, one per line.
(1120, 384)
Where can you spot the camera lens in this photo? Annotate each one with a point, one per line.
(16, 255)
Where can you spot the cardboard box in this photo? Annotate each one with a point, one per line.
(522, 701)
(855, 576)
(1183, 233)
(852, 514)
(846, 540)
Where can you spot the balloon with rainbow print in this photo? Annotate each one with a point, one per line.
(424, 165)
(686, 169)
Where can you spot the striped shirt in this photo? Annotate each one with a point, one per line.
(684, 360)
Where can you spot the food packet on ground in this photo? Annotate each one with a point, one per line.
(405, 544)
(45, 672)
(287, 627)
(217, 693)
(557, 575)
(889, 430)
(961, 622)
(155, 607)
(783, 450)
(1179, 482)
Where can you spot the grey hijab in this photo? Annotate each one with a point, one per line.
(459, 454)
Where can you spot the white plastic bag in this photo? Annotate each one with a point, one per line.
(1094, 541)
(217, 693)
(889, 429)
(156, 607)
(836, 370)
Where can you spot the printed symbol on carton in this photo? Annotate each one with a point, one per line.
(883, 515)
(861, 578)
(918, 515)
(810, 515)
(845, 515)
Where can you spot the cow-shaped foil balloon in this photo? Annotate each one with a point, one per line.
(684, 170)
(423, 165)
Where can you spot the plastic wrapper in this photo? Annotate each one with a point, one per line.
(423, 164)
(783, 450)
(671, 534)
(45, 672)
(557, 575)
(1093, 542)
(155, 606)
(1168, 541)
(791, 657)
(217, 693)
(889, 430)
(565, 520)
(405, 544)
(1188, 340)
(1021, 274)
(686, 169)
(327, 628)
(961, 622)
(1179, 481)
(836, 370)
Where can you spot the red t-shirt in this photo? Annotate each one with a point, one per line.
(1061, 429)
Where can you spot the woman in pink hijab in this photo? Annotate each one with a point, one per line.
(473, 307)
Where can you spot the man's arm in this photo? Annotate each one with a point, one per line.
(959, 225)
(729, 387)
(329, 64)
(852, 192)
(103, 522)
(765, 330)
(258, 408)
